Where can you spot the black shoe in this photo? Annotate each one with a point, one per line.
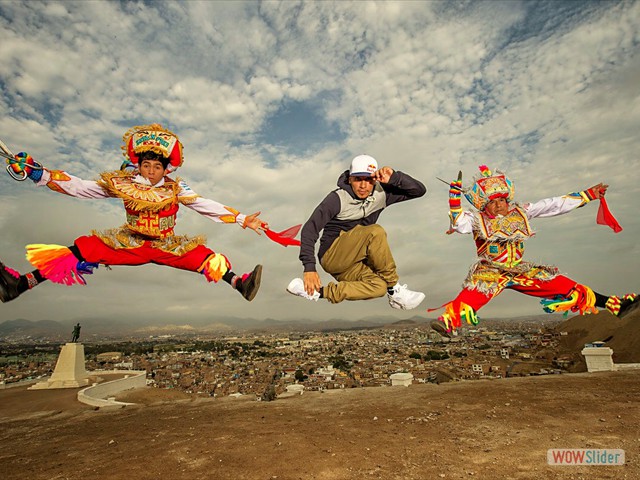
(439, 327)
(248, 286)
(628, 305)
(8, 285)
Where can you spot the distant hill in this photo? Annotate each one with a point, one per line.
(21, 327)
(408, 323)
(109, 328)
(112, 329)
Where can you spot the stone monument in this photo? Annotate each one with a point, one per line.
(401, 379)
(598, 357)
(70, 371)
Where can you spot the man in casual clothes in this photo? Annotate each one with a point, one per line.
(353, 248)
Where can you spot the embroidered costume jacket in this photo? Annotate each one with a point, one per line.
(500, 242)
(150, 209)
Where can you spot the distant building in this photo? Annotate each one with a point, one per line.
(480, 368)
(295, 388)
(109, 356)
(401, 379)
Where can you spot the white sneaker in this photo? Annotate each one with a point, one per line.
(404, 299)
(296, 287)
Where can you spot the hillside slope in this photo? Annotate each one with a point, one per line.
(478, 429)
(622, 335)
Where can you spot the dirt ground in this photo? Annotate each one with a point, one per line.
(493, 429)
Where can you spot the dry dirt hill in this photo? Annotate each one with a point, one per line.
(485, 429)
(621, 335)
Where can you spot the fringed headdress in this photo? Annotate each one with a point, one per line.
(153, 138)
(488, 186)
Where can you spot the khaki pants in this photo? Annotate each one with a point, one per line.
(361, 261)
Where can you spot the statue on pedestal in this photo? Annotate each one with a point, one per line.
(76, 333)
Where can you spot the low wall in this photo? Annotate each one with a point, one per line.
(626, 366)
(98, 395)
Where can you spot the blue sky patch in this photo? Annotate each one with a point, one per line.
(299, 127)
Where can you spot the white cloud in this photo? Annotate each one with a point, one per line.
(427, 87)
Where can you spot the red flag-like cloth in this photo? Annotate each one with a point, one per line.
(285, 237)
(606, 218)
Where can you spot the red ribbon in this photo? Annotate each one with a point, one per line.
(605, 217)
(285, 237)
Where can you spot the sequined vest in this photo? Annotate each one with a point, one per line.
(500, 240)
(151, 210)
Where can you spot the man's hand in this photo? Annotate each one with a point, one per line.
(383, 175)
(312, 282)
(23, 165)
(598, 191)
(254, 223)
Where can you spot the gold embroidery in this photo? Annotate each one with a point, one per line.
(513, 226)
(137, 196)
(230, 218)
(123, 237)
(57, 176)
(490, 279)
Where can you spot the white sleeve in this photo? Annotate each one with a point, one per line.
(209, 208)
(62, 182)
(464, 222)
(550, 207)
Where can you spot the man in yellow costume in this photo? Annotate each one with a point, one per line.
(151, 201)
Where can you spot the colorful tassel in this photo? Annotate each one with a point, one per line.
(56, 263)
(580, 299)
(468, 314)
(558, 304)
(86, 268)
(214, 267)
(484, 170)
(25, 166)
(452, 317)
(614, 302)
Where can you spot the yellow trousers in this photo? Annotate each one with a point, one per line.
(362, 263)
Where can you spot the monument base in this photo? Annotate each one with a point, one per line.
(598, 357)
(69, 372)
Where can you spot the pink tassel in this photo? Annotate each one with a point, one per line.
(55, 263)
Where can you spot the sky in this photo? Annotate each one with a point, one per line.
(271, 100)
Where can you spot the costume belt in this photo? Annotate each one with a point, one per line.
(153, 224)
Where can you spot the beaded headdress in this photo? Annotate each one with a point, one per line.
(153, 138)
(488, 186)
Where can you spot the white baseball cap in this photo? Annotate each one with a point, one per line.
(363, 166)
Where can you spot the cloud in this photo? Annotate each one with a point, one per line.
(272, 99)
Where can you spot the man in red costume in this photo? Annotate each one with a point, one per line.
(500, 228)
(151, 201)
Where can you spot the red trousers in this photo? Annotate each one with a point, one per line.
(95, 250)
(559, 285)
